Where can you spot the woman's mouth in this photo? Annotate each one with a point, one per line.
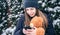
(31, 14)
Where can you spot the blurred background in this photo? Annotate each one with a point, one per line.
(10, 11)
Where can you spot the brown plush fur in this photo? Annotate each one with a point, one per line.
(38, 23)
(40, 31)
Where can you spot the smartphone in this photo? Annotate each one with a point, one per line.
(27, 27)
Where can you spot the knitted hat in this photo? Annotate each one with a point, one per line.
(30, 3)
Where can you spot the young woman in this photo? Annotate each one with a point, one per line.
(31, 9)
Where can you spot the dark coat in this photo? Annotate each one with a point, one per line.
(20, 24)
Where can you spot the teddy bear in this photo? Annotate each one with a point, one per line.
(38, 23)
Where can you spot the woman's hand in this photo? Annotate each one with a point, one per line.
(29, 31)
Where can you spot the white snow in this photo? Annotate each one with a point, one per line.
(57, 21)
(9, 31)
(43, 4)
(57, 8)
(59, 3)
(1, 25)
(50, 9)
(3, 18)
(39, 1)
(53, 1)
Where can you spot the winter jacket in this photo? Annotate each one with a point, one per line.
(20, 24)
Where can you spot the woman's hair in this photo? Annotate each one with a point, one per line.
(38, 13)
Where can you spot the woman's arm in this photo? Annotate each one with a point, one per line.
(50, 29)
(19, 26)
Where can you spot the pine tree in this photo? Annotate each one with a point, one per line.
(52, 7)
(3, 15)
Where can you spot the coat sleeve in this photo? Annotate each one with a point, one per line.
(50, 29)
(19, 26)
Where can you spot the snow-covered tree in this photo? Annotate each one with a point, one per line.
(10, 11)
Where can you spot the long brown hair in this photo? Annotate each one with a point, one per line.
(38, 13)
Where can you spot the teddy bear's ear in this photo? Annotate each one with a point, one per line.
(31, 25)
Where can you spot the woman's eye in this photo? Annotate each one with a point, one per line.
(32, 9)
(27, 9)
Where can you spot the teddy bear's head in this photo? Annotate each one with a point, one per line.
(36, 22)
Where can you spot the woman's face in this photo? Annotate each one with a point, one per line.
(31, 11)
